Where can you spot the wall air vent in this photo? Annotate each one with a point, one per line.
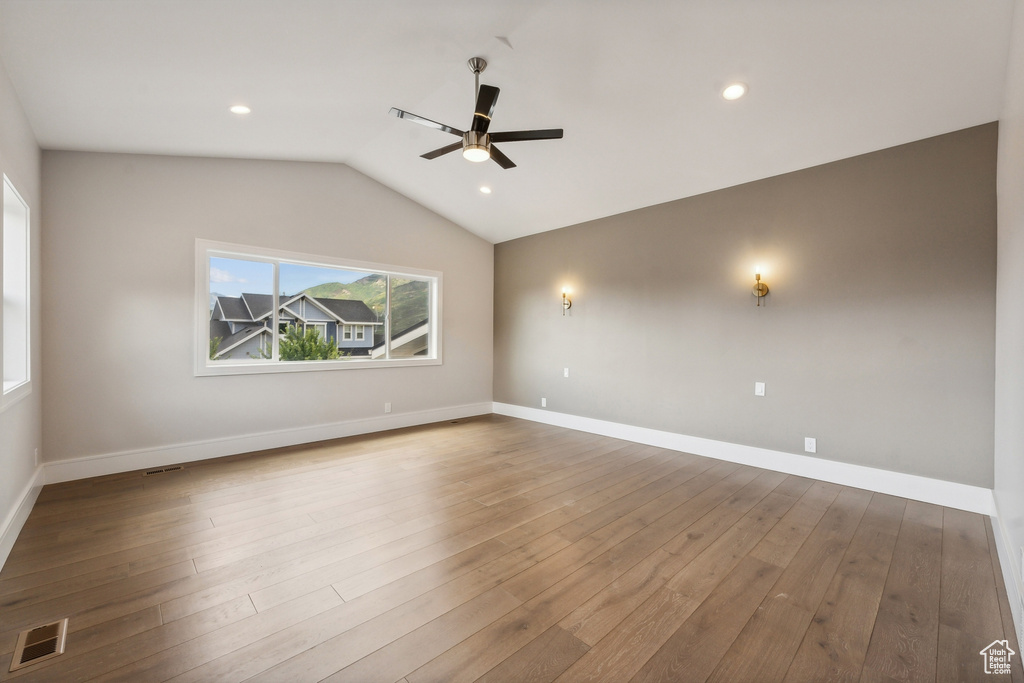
(39, 644)
(173, 468)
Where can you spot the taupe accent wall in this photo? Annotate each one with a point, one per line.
(118, 272)
(877, 337)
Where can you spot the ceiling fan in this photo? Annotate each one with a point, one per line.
(476, 142)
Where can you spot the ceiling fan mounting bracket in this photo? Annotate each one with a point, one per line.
(477, 65)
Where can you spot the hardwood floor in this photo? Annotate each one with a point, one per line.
(494, 549)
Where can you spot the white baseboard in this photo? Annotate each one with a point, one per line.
(947, 493)
(16, 516)
(127, 461)
(1013, 573)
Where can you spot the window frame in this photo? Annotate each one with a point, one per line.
(319, 327)
(205, 367)
(21, 389)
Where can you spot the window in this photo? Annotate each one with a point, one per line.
(16, 327)
(261, 310)
(321, 330)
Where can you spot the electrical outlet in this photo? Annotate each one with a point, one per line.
(565, 372)
(543, 403)
(387, 407)
(35, 457)
(758, 388)
(810, 445)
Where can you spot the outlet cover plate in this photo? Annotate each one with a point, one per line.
(810, 445)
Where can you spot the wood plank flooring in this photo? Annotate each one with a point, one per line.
(498, 550)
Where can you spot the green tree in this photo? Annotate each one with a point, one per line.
(296, 345)
(215, 347)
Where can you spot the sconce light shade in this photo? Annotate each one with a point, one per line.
(566, 301)
(760, 288)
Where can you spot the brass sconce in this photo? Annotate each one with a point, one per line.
(566, 301)
(760, 288)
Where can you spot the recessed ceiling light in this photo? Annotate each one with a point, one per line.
(734, 91)
(240, 109)
(485, 190)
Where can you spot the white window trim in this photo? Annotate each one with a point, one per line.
(319, 327)
(17, 391)
(360, 333)
(205, 367)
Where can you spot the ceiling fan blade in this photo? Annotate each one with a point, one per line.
(485, 101)
(426, 122)
(519, 135)
(500, 158)
(442, 151)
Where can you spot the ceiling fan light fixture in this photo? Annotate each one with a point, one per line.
(476, 146)
(476, 153)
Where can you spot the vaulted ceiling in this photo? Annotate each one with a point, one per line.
(636, 85)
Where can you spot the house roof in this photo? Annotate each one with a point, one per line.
(406, 336)
(350, 310)
(259, 305)
(219, 328)
(636, 86)
(233, 308)
(244, 334)
(404, 332)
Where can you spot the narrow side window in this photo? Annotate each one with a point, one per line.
(16, 311)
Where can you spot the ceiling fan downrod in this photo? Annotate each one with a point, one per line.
(477, 66)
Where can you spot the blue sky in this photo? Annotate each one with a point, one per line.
(232, 277)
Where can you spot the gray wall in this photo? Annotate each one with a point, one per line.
(118, 273)
(20, 423)
(1009, 421)
(877, 337)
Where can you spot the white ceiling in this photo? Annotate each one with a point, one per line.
(636, 86)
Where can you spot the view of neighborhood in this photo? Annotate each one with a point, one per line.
(323, 313)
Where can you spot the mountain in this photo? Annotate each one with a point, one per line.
(371, 289)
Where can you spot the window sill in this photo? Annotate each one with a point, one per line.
(14, 392)
(265, 367)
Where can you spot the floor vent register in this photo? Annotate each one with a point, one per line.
(39, 644)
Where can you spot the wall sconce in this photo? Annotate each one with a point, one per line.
(566, 301)
(760, 288)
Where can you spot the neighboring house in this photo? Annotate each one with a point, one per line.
(412, 341)
(243, 323)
